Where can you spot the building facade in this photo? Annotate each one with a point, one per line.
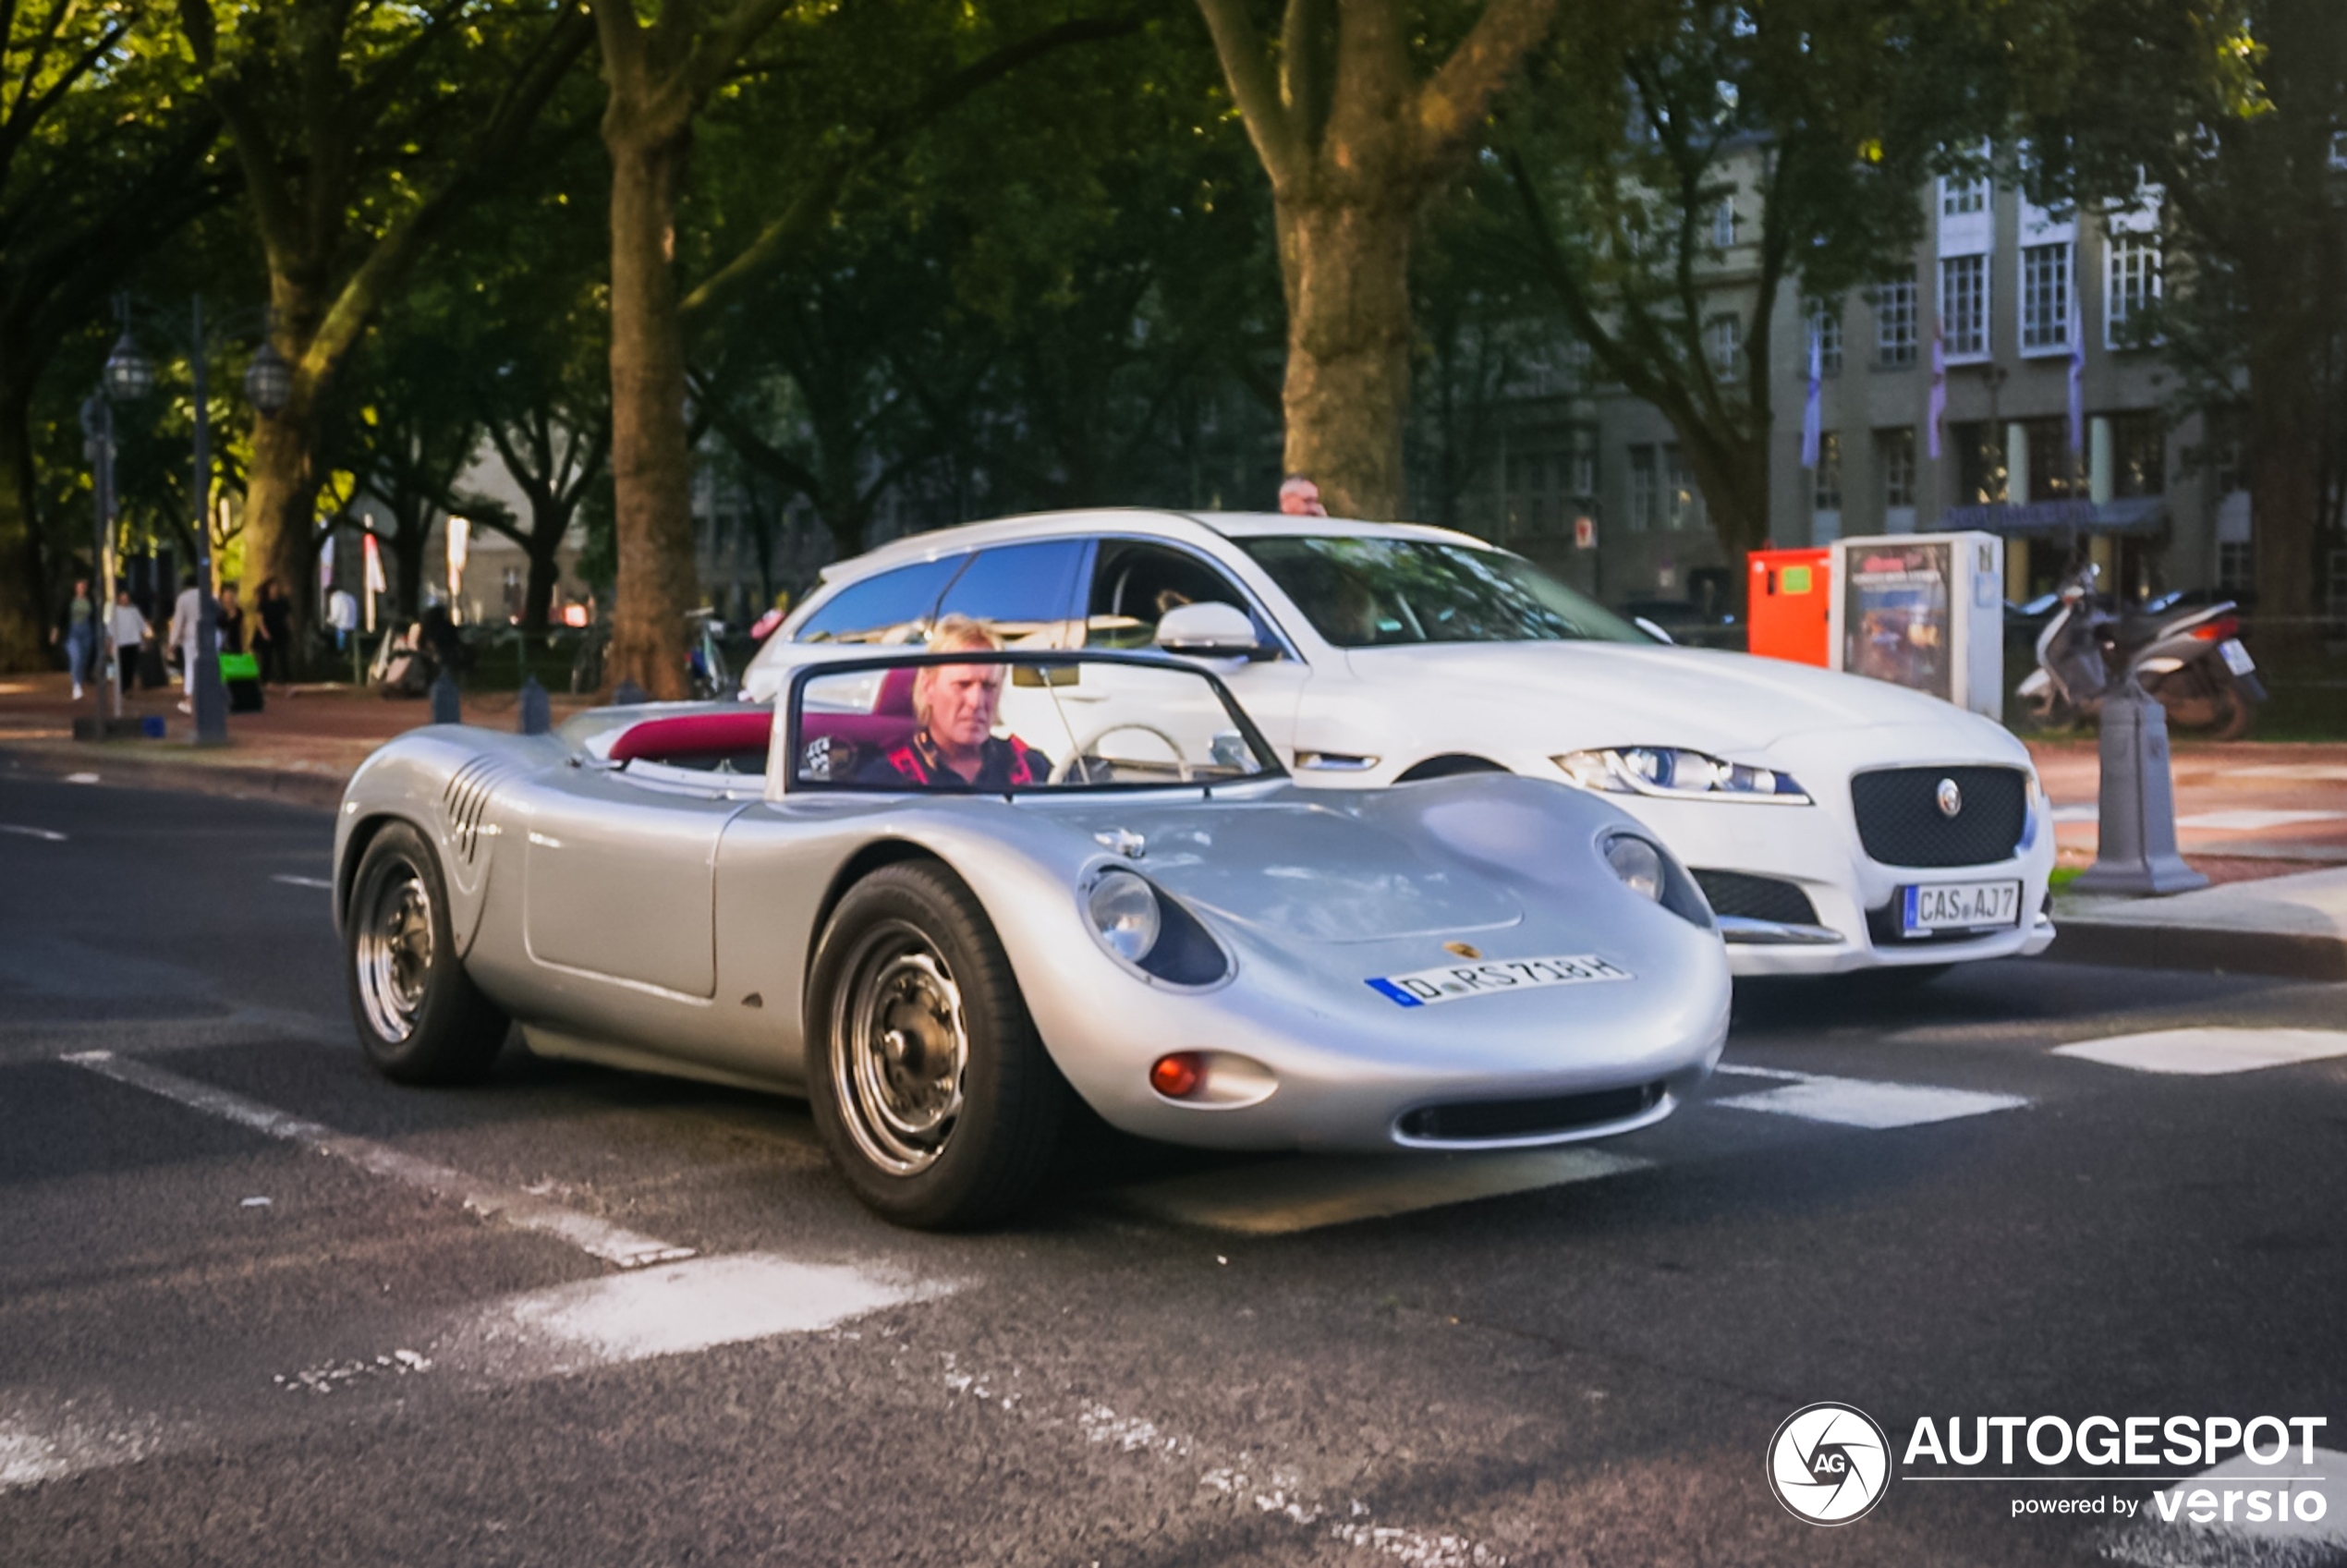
(1593, 482)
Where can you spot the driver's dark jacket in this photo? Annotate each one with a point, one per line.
(1003, 763)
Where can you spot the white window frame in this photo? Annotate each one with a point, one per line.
(2044, 321)
(1724, 345)
(1825, 333)
(1966, 349)
(1897, 459)
(2126, 289)
(1724, 223)
(1643, 484)
(1906, 314)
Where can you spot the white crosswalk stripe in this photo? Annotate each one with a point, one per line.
(2205, 1052)
(1861, 1102)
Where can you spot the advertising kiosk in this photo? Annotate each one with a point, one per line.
(1925, 611)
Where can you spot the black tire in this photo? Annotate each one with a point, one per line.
(930, 1086)
(420, 1018)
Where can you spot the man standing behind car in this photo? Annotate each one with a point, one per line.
(955, 706)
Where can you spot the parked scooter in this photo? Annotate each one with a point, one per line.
(2191, 659)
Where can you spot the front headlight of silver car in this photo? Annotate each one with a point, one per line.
(1637, 863)
(1670, 772)
(1124, 910)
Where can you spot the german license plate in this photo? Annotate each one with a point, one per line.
(1456, 982)
(2235, 656)
(1958, 907)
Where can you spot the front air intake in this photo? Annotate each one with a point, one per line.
(1495, 1120)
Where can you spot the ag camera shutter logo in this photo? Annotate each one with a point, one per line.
(1828, 1464)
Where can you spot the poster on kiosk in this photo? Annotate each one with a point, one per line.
(1924, 611)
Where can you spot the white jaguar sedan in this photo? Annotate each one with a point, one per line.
(1835, 823)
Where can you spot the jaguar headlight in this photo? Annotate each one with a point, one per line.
(1670, 772)
(1124, 909)
(1637, 863)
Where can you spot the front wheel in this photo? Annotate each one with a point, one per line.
(931, 1090)
(420, 1017)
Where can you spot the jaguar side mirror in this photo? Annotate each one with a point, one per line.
(1211, 631)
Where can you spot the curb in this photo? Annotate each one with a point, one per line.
(122, 768)
(2144, 945)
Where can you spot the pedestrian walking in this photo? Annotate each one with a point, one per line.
(128, 631)
(230, 620)
(78, 629)
(184, 616)
(272, 636)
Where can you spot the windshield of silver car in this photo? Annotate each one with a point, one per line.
(979, 720)
(1364, 592)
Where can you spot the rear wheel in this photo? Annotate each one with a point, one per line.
(931, 1089)
(420, 1017)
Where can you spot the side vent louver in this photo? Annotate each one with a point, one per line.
(466, 801)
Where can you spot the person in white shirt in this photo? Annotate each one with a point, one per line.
(184, 616)
(127, 629)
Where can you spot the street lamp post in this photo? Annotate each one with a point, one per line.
(268, 388)
(97, 425)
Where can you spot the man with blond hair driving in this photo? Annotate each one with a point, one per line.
(953, 708)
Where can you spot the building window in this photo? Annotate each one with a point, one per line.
(2335, 589)
(1585, 468)
(1825, 337)
(1681, 502)
(2339, 149)
(2053, 468)
(2139, 453)
(1894, 323)
(1723, 223)
(1722, 344)
(1827, 496)
(1980, 463)
(1894, 458)
(2236, 567)
(2045, 299)
(1642, 492)
(2131, 282)
(1545, 475)
(1964, 305)
(1959, 197)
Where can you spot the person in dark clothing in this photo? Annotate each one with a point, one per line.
(230, 620)
(272, 637)
(954, 706)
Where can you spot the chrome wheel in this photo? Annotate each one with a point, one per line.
(899, 1049)
(392, 949)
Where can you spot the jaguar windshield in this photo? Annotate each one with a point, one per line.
(980, 720)
(1365, 593)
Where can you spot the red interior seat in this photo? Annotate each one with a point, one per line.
(695, 735)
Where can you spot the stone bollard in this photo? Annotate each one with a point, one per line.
(2135, 852)
(536, 715)
(627, 694)
(447, 706)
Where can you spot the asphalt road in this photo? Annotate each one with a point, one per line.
(293, 1342)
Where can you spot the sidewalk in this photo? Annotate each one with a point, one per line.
(301, 748)
(2267, 822)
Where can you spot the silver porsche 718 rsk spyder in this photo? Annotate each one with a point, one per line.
(939, 893)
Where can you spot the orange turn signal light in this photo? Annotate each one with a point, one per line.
(1180, 1076)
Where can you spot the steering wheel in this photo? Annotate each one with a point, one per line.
(1068, 764)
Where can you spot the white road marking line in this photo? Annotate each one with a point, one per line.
(2313, 772)
(44, 834)
(1243, 1476)
(2077, 813)
(2203, 1053)
(81, 778)
(291, 880)
(688, 1307)
(1857, 1102)
(2251, 821)
(1303, 1194)
(68, 1441)
(597, 1237)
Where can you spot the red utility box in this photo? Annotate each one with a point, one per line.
(1790, 604)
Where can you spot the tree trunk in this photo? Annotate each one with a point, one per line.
(281, 505)
(545, 570)
(651, 456)
(24, 632)
(2285, 504)
(1344, 261)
